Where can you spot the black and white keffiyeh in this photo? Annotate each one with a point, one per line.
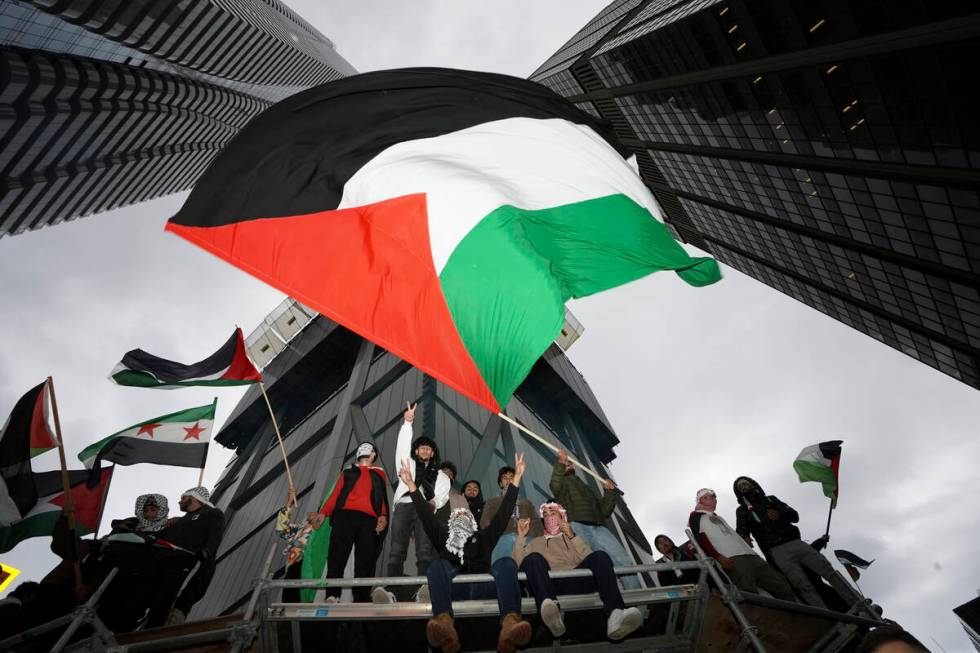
(462, 525)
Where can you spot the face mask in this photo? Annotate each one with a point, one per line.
(552, 524)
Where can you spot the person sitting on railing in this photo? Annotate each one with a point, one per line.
(744, 566)
(773, 525)
(559, 549)
(150, 516)
(464, 548)
(358, 512)
(422, 455)
(473, 492)
(673, 553)
(523, 510)
(588, 512)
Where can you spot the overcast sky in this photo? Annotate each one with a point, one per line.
(702, 385)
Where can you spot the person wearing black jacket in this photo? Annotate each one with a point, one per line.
(464, 549)
(673, 553)
(473, 492)
(773, 525)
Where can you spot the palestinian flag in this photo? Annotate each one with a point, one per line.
(179, 439)
(444, 215)
(852, 563)
(820, 463)
(230, 365)
(24, 435)
(39, 520)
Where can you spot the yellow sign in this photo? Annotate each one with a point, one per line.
(7, 574)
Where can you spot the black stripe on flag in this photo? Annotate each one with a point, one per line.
(847, 558)
(170, 371)
(132, 451)
(295, 157)
(15, 451)
(831, 448)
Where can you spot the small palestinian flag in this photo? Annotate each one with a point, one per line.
(39, 520)
(852, 563)
(230, 365)
(24, 435)
(821, 463)
(445, 215)
(179, 439)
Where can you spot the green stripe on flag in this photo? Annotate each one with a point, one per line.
(812, 471)
(507, 281)
(143, 380)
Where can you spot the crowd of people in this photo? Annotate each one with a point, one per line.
(165, 565)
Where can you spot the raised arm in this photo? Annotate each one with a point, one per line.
(610, 496)
(436, 532)
(403, 446)
(500, 520)
(441, 492)
(558, 473)
(520, 544)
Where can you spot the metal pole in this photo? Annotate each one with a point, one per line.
(830, 513)
(84, 613)
(244, 633)
(69, 507)
(730, 597)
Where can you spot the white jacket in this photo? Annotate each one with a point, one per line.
(403, 451)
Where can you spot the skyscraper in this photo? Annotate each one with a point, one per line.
(104, 104)
(331, 389)
(826, 148)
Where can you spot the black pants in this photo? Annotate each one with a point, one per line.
(404, 524)
(353, 529)
(603, 579)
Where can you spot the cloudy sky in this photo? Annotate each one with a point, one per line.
(702, 385)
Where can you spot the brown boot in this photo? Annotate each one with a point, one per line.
(515, 633)
(442, 634)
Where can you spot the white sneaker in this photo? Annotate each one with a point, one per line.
(381, 595)
(331, 600)
(423, 595)
(551, 616)
(622, 622)
(175, 618)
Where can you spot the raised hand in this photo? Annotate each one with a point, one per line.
(566, 529)
(410, 413)
(608, 484)
(523, 527)
(405, 474)
(519, 467)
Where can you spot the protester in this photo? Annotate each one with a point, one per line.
(890, 639)
(456, 498)
(198, 531)
(588, 512)
(559, 549)
(523, 510)
(358, 512)
(473, 492)
(744, 566)
(150, 516)
(464, 548)
(773, 525)
(673, 553)
(422, 455)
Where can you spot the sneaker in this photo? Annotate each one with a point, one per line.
(332, 600)
(381, 595)
(622, 622)
(175, 618)
(423, 595)
(551, 616)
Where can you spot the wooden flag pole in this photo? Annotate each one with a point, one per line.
(200, 478)
(69, 507)
(549, 445)
(282, 446)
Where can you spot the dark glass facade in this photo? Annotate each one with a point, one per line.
(331, 390)
(827, 148)
(103, 104)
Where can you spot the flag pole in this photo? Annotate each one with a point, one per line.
(200, 478)
(69, 507)
(549, 445)
(830, 513)
(282, 446)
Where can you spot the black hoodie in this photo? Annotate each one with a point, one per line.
(751, 517)
(426, 473)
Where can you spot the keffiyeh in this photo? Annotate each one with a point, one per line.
(151, 525)
(462, 525)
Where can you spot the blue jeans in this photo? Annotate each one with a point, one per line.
(504, 548)
(599, 538)
(443, 592)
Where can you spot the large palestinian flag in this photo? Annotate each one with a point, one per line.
(445, 215)
(39, 520)
(179, 439)
(821, 463)
(230, 365)
(24, 435)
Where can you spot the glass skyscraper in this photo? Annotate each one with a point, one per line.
(331, 390)
(105, 103)
(827, 148)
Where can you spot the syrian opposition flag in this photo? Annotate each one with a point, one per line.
(852, 563)
(179, 439)
(444, 215)
(40, 519)
(230, 365)
(25, 435)
(820, 463)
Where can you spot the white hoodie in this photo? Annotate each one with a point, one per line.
(403, 451)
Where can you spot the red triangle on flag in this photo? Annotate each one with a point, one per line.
(88, 501)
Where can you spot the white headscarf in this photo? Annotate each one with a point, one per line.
(462, 525)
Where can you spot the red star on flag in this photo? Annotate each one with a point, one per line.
(194, 432)
(148, 429)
